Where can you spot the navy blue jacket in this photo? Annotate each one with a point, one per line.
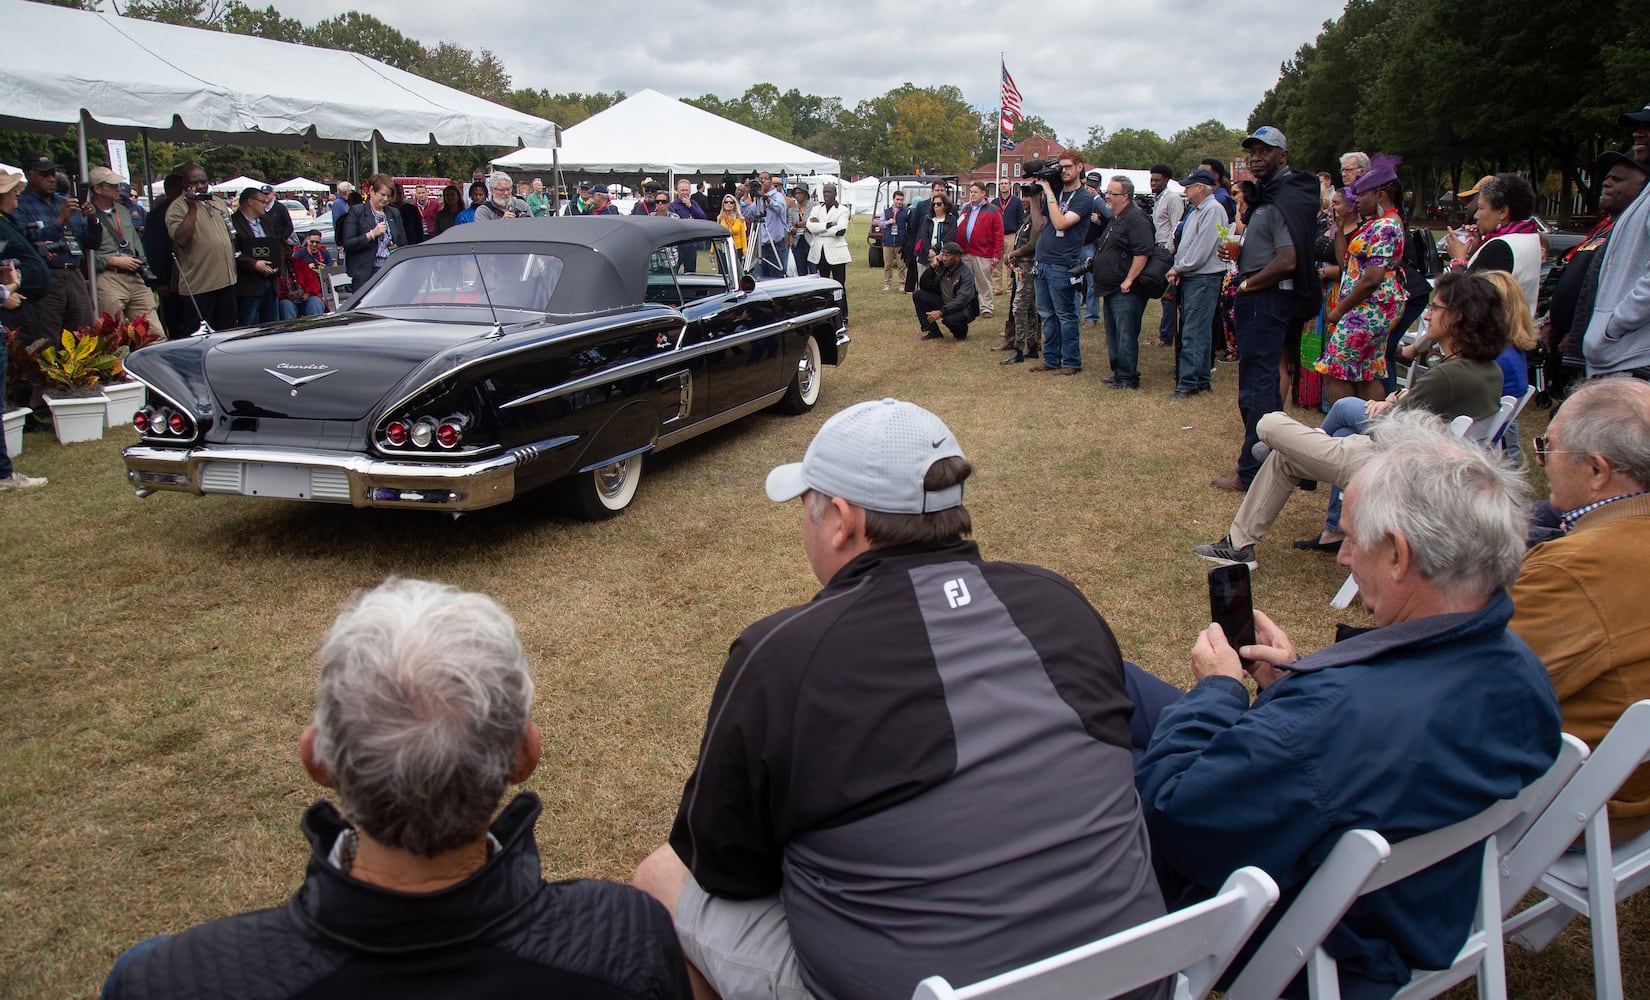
(1401, 730)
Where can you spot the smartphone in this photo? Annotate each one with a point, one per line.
(1230, 604)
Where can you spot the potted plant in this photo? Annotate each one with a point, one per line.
(22, 377)
(121, 337)
(74, 371)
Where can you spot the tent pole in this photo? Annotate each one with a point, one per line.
(148, 195)
(375, 152)
(555, 181)
(91, 274)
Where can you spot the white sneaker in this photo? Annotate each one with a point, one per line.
(18, 481)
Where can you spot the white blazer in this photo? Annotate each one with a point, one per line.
(828, 234)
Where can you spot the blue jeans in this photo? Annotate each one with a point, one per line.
(1123, 311)
(1199, 294)
(1057, 308)
(1260, 320)
(1347, 417)
(771, 262)
(148, 943)
(312, 307)
(1091, 308)
(1166, 323)
(5, 404)
(259, 308)
(1412, 312)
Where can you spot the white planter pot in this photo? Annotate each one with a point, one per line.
(14, 431)
(78, 418)
(125, 399)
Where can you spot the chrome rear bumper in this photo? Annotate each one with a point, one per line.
(322, 477)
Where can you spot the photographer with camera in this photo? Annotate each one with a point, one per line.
(123, 274)
(1059, 250)
(54, 224)
(767, 242)
(199, 225)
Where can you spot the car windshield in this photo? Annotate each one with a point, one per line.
(523, 281)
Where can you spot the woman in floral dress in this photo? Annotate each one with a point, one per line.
(1371, 299)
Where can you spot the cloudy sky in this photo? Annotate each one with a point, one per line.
(1147, 64)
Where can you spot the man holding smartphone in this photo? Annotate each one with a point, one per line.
(1343, 738)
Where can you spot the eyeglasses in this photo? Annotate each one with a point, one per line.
(1542, 451)
(661, 201)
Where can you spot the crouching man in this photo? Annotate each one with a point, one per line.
(421, 721)
(924, 770)
(1425, 720)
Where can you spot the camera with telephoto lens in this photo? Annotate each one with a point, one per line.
(51, 248)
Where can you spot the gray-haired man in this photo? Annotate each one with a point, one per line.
(422, 719)
(924, 770)
(501, 203)
(1440, 697)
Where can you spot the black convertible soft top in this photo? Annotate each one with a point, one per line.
(605, 257)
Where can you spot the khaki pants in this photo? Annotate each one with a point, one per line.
(892, 262)
(1298, 452)
(1000, 280)
(981, 266)
(127, 296)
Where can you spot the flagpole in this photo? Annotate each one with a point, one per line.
(1002, 68)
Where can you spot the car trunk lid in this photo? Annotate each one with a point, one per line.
(324, 372)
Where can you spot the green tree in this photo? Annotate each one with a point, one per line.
(1128, 148)
(365, 35)
(1195, 143)
(266, 23)
(478, 73)
(566, 110)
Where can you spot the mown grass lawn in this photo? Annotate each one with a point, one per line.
(156, 657)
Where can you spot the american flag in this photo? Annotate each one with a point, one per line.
(1011, 101)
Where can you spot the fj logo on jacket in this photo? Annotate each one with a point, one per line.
(956, 593)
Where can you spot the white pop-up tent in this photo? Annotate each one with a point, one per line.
(193, 84)
(651, 133)
(236, 185)
(302, 185)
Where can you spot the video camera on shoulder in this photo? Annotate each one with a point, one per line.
(1040, 170)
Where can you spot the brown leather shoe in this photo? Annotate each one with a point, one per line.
(1070, 371)
(1228, 483)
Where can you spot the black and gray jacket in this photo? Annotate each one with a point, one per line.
(930, 763)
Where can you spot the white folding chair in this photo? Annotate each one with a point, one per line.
(336, 283)
(1535, 842)
(1297, 939)
(1485, 431)
(1462, 426)
(1195, 944)
(1569, 878)
(1523, 401)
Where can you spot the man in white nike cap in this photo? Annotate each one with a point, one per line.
(925, 770)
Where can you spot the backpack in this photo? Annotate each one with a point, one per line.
(1153, 279)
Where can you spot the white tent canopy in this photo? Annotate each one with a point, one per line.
(192, 84)
(652, 133)
(235, 185)
(303, 185)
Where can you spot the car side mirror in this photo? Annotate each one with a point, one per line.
(747, 283)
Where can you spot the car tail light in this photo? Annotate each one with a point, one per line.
(423, 432)
(396, 433)
(177, 424)
(447, 435)
(142, 419)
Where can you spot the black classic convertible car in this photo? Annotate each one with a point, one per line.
(494, 359)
